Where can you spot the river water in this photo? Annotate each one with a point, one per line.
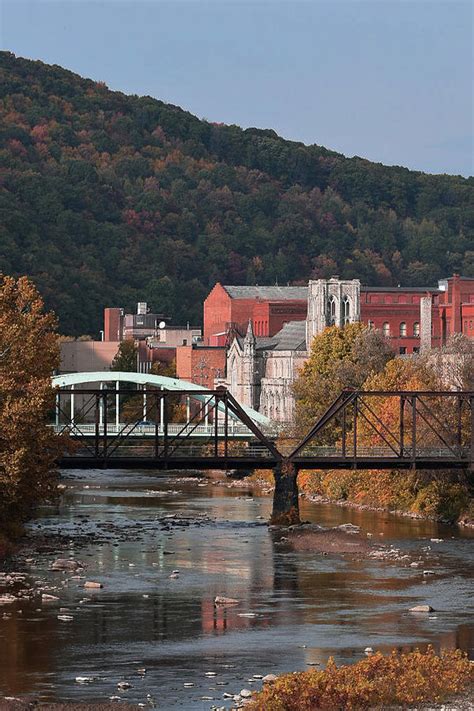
(133, 529)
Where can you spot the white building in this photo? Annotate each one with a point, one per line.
(260, 371)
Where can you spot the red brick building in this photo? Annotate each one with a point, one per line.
(401, 313)
(201, 364)
(269, 307)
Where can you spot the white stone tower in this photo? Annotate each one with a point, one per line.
(331, 302)
(249, 367)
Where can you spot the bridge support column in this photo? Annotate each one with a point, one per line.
(286, 510)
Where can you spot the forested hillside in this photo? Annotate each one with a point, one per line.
(108, 199)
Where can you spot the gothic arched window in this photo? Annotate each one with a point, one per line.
(346, 311)
(233, 376)
(332, 310)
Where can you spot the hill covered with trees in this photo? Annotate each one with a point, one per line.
(108, 199)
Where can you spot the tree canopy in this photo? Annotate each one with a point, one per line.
(339, 358)
(108, 199)
(29, 353)
(125, 359)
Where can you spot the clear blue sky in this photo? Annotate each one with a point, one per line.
(390, 80)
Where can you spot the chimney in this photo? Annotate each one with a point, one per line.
(425, 323)
(456, 321)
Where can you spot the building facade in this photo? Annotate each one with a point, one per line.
(262, 363)
(229, 308)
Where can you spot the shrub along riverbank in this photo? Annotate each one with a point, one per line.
(376, 682)
(441, 496)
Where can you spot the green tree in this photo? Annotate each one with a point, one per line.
(126, 357)
(160, 367)
(29, 354)
(339, 358)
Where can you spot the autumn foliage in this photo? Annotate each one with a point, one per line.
(356, 357)
(376, 682)
(29, 353)
(110, 199)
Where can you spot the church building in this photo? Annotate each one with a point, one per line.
(267, 331)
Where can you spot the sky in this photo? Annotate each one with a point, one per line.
(388, 80)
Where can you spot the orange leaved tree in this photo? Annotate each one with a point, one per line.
(29, 354)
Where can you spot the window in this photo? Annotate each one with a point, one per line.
(370, 325)
(403, 329)
(386, 329)
(416, 349)
(332, 310)
(416, 329)
(346, 310)
(402, 350)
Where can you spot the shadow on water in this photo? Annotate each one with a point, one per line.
(296, 607)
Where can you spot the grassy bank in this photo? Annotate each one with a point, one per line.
(436, 496)
(379, 681)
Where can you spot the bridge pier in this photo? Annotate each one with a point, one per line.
(286, 510)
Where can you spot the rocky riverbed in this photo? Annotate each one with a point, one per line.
(112, 596)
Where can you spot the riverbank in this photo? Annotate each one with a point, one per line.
(333, 488)
(13, 704)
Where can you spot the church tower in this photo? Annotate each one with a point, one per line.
(249, 367)
(331, 302)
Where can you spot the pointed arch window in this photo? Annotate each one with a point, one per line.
(332, 310)
(346, 310)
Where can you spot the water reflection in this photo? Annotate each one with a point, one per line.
(296, 607)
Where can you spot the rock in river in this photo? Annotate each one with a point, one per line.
(269, 679)
(421, 608)
(6, 599)
(66, 564)
(221, 600)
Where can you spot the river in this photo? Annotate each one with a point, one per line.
(133, 529)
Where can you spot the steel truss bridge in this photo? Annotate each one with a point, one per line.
(188, 427)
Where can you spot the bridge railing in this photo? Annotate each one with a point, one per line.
(410, 427)
(235, 429)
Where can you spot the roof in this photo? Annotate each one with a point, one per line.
(272, 293)
(262, 343)
(292, 337)
(66, 381)
(401, 289)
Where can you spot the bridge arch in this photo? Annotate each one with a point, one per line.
(70, 380)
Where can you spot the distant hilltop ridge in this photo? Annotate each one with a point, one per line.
(107, 198)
